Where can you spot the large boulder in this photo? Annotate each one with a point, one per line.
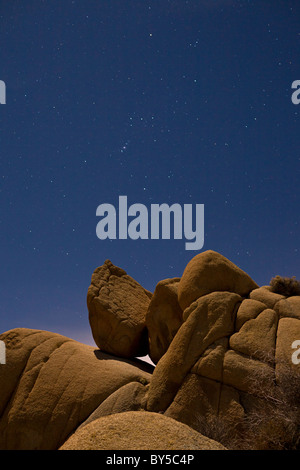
(206, 321)
(225, 366)
(117, 306)
(164, 317)
(51, 384)
(208, 272)
(225, 354)
(138, 430)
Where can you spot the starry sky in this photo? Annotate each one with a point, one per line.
(167, 101)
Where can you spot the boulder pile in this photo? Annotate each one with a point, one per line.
(222, 349)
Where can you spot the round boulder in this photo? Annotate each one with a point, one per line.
(208, 272)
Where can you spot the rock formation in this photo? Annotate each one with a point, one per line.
(51, 384)
(136, 430)
(163, 318)
(117, 307)
(222, 349)
(209, 272)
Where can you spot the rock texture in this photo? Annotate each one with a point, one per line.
(207, 320)
(208, 272)
(138, 431)
(223, 352)
(232, 348)
(163, 318)
(288, 331)
(51, 384)
(117, 306)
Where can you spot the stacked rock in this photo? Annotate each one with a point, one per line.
(218, 340)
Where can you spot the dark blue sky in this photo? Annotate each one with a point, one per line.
(174, 101)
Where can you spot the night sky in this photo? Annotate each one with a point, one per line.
(176, 101)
